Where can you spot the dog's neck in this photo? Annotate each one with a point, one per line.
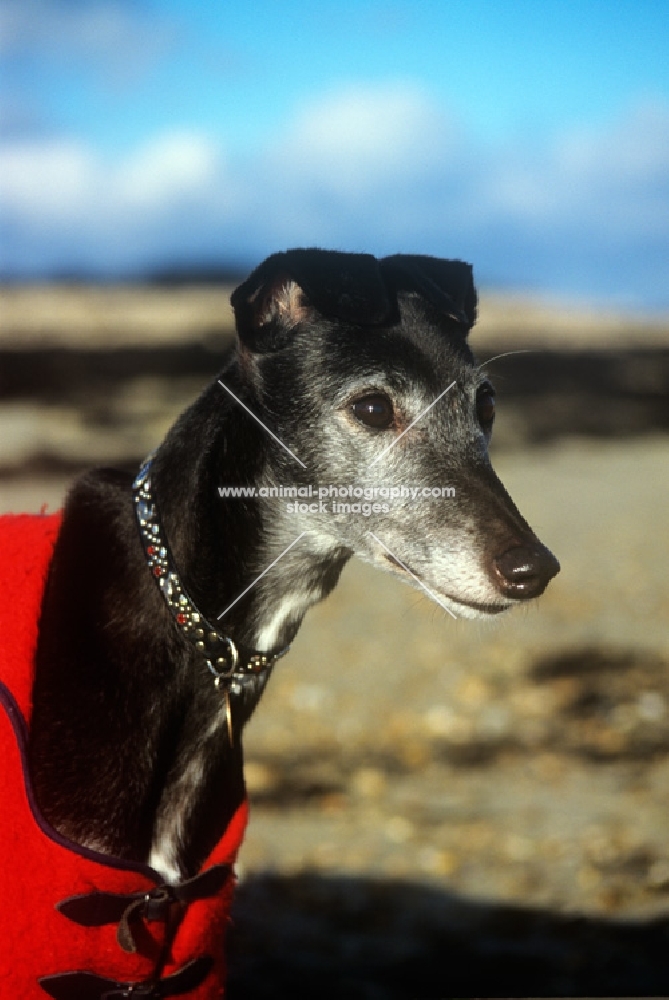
(304, 576)
(264, 594)
(245, 563)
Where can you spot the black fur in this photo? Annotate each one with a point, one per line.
(123, 705)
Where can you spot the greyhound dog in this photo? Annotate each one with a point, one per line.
(167, 606)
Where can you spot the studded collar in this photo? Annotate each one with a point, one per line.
(241, 673)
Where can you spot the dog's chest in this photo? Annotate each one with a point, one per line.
(183, 795)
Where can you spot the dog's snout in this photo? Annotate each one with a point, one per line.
(524, 571)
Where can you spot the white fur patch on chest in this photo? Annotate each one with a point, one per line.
(174, 816)
(291, 608)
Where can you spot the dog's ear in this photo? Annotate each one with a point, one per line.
(268, 305)
(447, 284)
(293, 287)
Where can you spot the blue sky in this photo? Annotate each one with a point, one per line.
(530, 136)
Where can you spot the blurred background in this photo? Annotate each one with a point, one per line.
(438, 807)
(531, 138)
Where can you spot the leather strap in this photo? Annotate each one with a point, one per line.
(88, 986)
(98, 908)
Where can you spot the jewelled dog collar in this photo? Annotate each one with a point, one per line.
(241, 673)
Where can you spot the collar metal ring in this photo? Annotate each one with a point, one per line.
(234, 660)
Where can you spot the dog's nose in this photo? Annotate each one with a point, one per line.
(524, 571)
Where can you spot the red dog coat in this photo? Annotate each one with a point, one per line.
(40, 869)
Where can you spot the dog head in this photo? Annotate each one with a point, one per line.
(362, 368)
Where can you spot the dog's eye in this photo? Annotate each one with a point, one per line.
(374, 411)
(485, 406)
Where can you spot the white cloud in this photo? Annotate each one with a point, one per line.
(64, 206)
(360, 137)
(635, 147)
(56, 182)
(619, 177)
(117, 39)
(46, 182)
(375, 168)
(172, 166)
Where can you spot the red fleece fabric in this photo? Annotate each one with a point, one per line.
(38, 867)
